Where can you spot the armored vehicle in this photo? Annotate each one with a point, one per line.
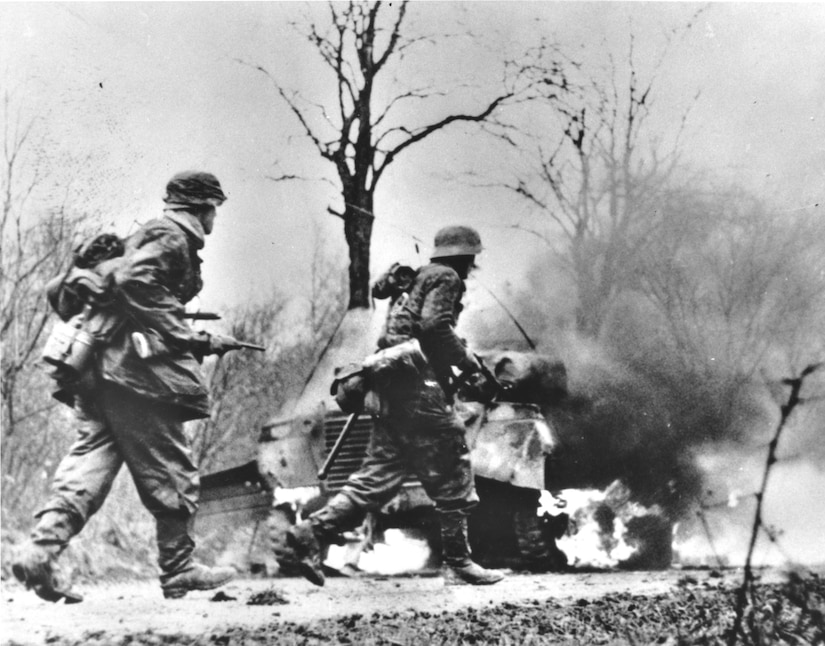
(513, 449)
(534, 438)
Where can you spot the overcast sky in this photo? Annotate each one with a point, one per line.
(157, 87)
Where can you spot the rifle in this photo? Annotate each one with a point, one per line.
(323, 472)
(233, 344)
(148, 344)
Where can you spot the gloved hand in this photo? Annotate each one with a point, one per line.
(469, 365)
(220, 345)
(479, 388)
(199, 344)
(204, 343)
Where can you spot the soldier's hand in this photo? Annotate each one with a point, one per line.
(488, 389)
(470, 364)
(220, 345)
(199, 344)
(478, 388)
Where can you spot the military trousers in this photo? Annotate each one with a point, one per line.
(417, 434)
(117, 426)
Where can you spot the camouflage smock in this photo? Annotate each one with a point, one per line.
(429, 312)
(158, 273)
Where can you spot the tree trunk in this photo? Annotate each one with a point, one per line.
(358, 233)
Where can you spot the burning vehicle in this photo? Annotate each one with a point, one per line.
(511, 442)
(524, 446)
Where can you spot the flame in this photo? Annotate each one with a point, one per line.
(398, 553)
(609, 530)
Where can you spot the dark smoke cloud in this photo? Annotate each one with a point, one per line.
(636, 411)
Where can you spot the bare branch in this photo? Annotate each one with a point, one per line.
(396, 30)
(292, 104)
(426, 131)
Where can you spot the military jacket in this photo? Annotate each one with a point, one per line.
(158, 273)
(429, 312)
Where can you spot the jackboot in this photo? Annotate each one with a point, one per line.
(35, 564)
(459, 567)
(309, 539)
(179, 573)
(196, 577)
(307, 551)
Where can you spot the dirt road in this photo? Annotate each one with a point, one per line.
(129, 608)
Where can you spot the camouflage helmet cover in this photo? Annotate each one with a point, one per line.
(456, 241)
(195, 188)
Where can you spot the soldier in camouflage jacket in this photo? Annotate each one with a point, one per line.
(131, 403)
(418, 432)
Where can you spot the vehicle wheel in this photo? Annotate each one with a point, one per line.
(505, 530)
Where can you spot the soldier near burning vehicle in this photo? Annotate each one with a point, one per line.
(136, 387)
(417, 431)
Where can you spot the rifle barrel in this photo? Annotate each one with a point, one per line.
(251, 346)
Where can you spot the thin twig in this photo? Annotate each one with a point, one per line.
(786, 410)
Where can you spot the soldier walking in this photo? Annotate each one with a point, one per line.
(133, 398)
(417, 431)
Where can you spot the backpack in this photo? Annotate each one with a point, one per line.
(69, 292)
(72, 344)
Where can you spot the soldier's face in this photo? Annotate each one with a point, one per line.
(208, 219)
(464, 266)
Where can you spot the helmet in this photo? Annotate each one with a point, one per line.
(194, 188)
(456, 241)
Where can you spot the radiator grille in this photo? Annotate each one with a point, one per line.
(353, 451)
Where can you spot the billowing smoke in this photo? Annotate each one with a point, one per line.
(686, 437)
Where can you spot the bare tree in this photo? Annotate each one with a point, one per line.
(35, 244)
(49, 204)
(595, 171)
(247, 387)
(365, 131)
(742, 287)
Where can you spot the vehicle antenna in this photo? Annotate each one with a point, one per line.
(526, 336)
(319, 358)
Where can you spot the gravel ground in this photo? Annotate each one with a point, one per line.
(597, 607)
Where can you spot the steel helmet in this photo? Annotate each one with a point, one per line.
(194, 188)
(456, 241)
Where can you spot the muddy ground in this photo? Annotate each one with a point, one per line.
(524, 608)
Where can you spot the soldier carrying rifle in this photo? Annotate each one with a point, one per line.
(417, 431)
(129, 366)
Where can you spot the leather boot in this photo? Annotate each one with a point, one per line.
(196, 577)
(35, 564)
(179, 573)
(306, 548)
(309, 539)
(459, 567)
